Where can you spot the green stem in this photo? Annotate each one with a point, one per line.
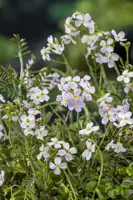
(21, 72)
(100, 80)
(116, 69)
(92, 74)
(101, 171)
(104, 135)
(70, 184)
(78, 120)
(57, 114)
(29, 155)
(68, 67)
(59, 62)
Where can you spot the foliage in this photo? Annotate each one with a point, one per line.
(79, 145)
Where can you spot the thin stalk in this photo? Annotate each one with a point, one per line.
(70, 184)
(21, 72)
(78, 120)
(92, 74)
(100, 80)
(101, 143)
(57, 114)
(59, 62)
(68, 67)
(116, 69)
(101, 171)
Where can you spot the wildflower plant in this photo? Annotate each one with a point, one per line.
(64, 134)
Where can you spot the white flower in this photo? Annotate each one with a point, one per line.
(111, 58)
(37, 95)
(129, 86)
(28, 131)
(88, 152)
(67, 39)
(110, 145)
(119, 37)
(89, 129)
(2, 99)
(83, 19)
(57, 165)
(104, 99)
(1, 128)
(125, 118)
(45, 54)
(106, 45)
(41, 133)
(2, 179)
(55, 143)
(27, 121)
(58, 49)
(43, 152)
(67, 151)
(33, 111)
(125, 76)
(119, 148)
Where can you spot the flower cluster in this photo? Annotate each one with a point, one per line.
(75, 91)
(119, 115)
(101, 47)
(59, 151)
(38, 95)
(72, 29)
(30, 126)
(53, 46)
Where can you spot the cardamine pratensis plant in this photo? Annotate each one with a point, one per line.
(67, 135)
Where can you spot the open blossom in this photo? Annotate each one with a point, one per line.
(55, 142)
(120, 37)
(28, 131)
(88, 152)
(126, 76)
(125, 118)
(37, 95)
(54, 45)
(105, 98)
(85, 20)
(112, 57)
(110, 145)
(118, 147)
(1, 133)
(67, 39)
(41, 132)
(27, 121)
(128, 87)
(67, 152)
(89, 129)
(75, 91)
(57, 165)
(2, 179)
(44, 152)
(45, 54)
(106, 46)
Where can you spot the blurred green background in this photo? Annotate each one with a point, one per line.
(35, 20)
